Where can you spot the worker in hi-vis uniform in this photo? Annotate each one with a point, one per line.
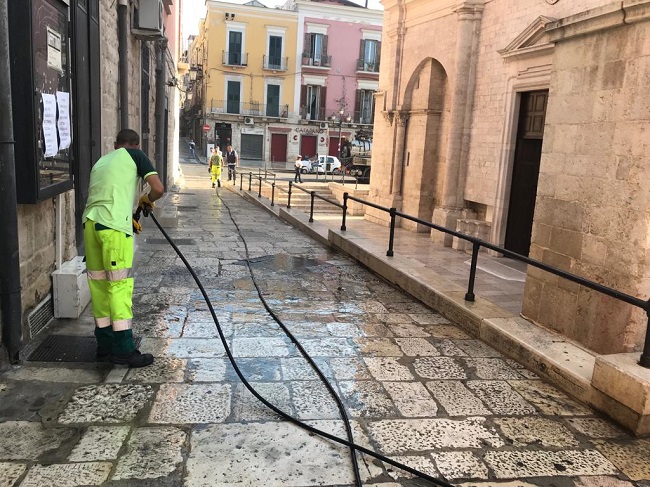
(108, 234)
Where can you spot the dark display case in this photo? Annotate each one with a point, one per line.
(41, 100)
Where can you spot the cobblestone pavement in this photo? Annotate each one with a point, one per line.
(418, 388)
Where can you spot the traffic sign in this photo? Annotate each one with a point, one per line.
(206, 127)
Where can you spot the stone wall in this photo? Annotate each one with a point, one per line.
(109, 66)
(37, 247)
(592, 214)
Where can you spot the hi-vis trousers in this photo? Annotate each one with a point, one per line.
(109, 262)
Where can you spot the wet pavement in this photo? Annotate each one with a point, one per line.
(417, 387)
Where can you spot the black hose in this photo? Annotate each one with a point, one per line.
(350, 444)
(315, 368)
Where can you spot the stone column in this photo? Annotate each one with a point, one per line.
(462, 94)
(398, 160)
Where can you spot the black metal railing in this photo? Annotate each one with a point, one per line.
(313, 114)
(366, 66)
(275, 63)
(477, 243)
(234, 58)
(364, 117)
(249, 108)
(322, 61)
(313, 195)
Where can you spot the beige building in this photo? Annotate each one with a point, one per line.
(526, 123)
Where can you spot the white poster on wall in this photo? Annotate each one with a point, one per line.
(49, 125)
(63, 124)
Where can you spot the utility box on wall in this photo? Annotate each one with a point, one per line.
(71, 291)
(40, 83)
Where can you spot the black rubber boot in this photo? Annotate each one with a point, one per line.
(102, 354)
(133, 359)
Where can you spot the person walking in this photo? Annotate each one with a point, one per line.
(192, 147)
(214, 168)
(109, 227)
(232, 159)
(298, 167)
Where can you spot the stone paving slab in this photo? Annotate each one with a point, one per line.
(266, 455)
(67, 475)
(10, 473)
(22, 440)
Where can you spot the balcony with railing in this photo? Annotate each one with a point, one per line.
(234, 58)
(364, 117)
(366, 66)
(249, 109)
(275, 63)
(322, 61)
(319, 114)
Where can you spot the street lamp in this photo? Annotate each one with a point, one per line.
(194, 70)
(341, 112)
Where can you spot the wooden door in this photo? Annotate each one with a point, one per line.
(278, 147)
(525, 174)
(334, 147)
(308, 145)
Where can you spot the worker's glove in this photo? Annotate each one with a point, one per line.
(137, 228)
(145, 204)
(209, 169)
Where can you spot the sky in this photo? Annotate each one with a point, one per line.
(194, 10)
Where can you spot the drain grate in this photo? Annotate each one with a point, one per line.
(161, 241)
(67, 348)
(187, 207)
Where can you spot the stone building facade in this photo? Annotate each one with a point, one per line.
(523, 122)
(46, 241)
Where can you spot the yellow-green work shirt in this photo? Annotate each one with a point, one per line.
(113, 183)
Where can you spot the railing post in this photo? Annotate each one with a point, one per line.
(644, 361)
(241, 182)
(273, 194)
(311, 209)
(345, 210)
(250, 181)
(259, 194)
(469, 296)
(289, 195)
(391, 235)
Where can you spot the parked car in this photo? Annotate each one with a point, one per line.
(325, 164)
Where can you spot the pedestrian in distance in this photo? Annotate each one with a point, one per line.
(192, 147)
(298, 166)
(109, 227)
(215, 165)
(232, 159)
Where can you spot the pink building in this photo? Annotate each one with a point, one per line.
(338, 70)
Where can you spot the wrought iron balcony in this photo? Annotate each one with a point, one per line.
(318, 114)
(364, 117)
(322, 61)
(275, 63)
(367, 66)
(252, 109)
(234, 58)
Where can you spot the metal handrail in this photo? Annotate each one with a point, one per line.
(477, 243)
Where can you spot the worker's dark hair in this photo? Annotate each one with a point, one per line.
(127, 137)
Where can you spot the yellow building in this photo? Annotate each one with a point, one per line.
(245, 60)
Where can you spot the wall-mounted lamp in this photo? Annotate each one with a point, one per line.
(196, 71)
